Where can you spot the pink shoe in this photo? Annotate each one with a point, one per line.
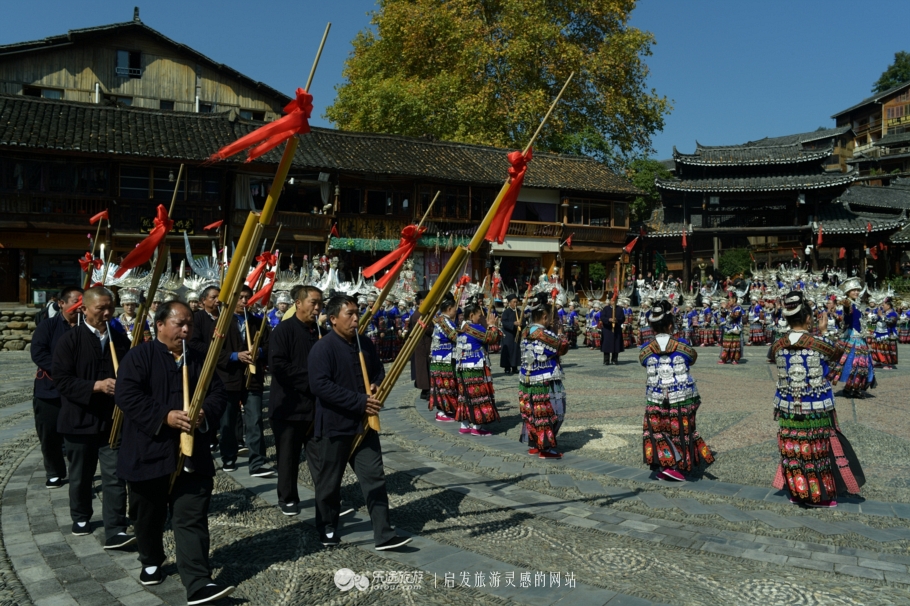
(533, 451)
(465, 430)
(443, 417)
(721, 362)
(794, 500)
(823, 504)
(735, 363)
(672, 474)
(480, 432)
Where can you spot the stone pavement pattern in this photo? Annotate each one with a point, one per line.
(481, 505)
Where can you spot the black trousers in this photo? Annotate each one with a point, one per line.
(228, 428)
(189, 506)
(329, 458)
(46, 413)
(290, 438)
(85, 452)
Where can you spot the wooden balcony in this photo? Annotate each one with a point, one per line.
(136, 216)
(533, 229)
(371, 227)
(598, 235)
(58, 212)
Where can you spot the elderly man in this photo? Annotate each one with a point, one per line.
(46, 398)
(149, 391)
(85, 376)
(337, 381)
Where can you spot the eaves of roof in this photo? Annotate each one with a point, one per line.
(758, 183)
(876, 98)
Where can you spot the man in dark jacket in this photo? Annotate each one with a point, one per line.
(338, 383)
(510, 358)
(611, 343)
(420, 360)
(46, 399)
(291, 401)
(150, 393)
(85, 376)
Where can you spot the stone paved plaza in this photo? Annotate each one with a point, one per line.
(495, 526)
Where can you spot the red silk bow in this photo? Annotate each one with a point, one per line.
(463, 281)
(102, 215)
(270, 136)
(75, 305)
(264, 259)
(265, 294)
(145, 249)
(500, 224)
(406, 245)
(214, 225)
(87, 262)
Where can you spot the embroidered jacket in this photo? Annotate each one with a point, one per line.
(469, 346)
(668, 371)
(802, 373)
(444, 336)
(540, 351)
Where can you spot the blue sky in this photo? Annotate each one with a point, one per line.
(735, 70)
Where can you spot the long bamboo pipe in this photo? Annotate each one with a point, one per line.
(246, 247)
(444, 282)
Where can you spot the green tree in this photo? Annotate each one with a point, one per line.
(485, 72)
(897, 73)
(734, 261)
(643, 172)
(597, 273)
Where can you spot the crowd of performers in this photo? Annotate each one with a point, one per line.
(816, 336)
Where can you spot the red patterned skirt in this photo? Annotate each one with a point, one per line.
(670, 439)
(476, 403)
(443, 388)
(707, 336)
(757, 334)
(816, 460)
(542, 408)
(731, 348)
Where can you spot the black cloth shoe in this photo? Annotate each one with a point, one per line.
(151, 578)
(264, 472)
(243, 451)
(55, 482)
(346, 510)
(330, 541)
(229, 466)
(425, 394)
(393, 543)
(119, 541)
(81, 531)
(210, 593)
(289, 509)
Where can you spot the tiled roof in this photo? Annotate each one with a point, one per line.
(895, 196)
(876, 98)
(815, 135)
(758, 183)
(901, 237)
(838, 218)
(750, 155)
(29, 123)
(893, 138)
(132, 28)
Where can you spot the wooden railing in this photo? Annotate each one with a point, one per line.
(372, 227)
(533, 229)
(600, 235)
(136, 216)
(65, 210)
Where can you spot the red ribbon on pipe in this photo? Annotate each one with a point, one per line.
(214, 225)
(500, 224)
(102, 215)
(265, 293)
(145, 249)
(406, 245)
(264, 139)
(86, 262)
(75, 305)
(264, 259)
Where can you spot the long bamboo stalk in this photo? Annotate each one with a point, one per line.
(233, 281)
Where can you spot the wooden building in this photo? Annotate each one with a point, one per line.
(881, 129)
(768, 195)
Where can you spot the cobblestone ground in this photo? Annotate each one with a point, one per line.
(482, 506)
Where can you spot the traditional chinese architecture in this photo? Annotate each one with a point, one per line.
(881, 132)
(767, 195)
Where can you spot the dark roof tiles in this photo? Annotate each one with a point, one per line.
(32, 123)
(740, 155)
(758, 183)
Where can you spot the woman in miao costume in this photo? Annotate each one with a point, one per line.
(890, 319)
(541, 395)
(903, 324)
(129, 300)
(816, 460)
(732, 342)
(443, 386)
(855, 365)
(476, 401)
(671, 444)
(706, 324)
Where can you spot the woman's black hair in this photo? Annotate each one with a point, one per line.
(796, 309)
(662, 320)
(448, 302)
(471, 307)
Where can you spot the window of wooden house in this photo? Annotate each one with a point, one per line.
(376, 202)
(135, 182)
(205, 186)
(164, 181)
(166, 105)
(481, 201)
(129, 64)
(206, 108)
(252, 114)
(349, 200)
(620, 215)
(45, 93)
(425, 194)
